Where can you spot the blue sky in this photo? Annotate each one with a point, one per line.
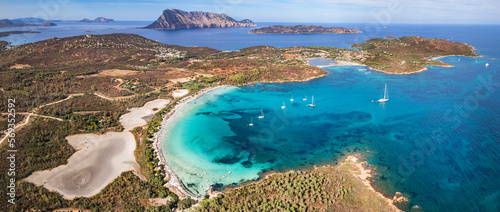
(312, 11)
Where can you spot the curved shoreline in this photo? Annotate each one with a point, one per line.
(348, 63)
(174, 184)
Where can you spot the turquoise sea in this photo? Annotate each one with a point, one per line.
(437, 139)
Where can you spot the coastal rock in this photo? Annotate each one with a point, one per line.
(98, 20)
(302, 29)
(48, 24)
(178, 19)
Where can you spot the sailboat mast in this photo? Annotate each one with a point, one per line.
(386, 96)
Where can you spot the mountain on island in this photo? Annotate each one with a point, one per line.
(178, 19)
(98, 20)
(302, 29)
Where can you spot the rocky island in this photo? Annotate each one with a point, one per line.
(302, 29)
(178, 19)
(98, 20)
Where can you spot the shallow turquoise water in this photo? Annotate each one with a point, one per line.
(413, 140)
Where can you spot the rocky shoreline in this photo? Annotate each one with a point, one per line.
(303, 29)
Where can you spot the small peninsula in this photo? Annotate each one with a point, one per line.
(178, 19)
(302, 29)
(7, 33)
(98, 20)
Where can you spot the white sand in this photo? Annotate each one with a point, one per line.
(99, 158)
(141, 116)
(180, 93)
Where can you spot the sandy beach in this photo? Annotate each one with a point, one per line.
(174, 184)
(99, 158)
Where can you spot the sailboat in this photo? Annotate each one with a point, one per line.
(386, 95)
(261, 114)
(487, 64)
(283, 107)
(251, 122)
(291, 100)
(305, 98)
(312, 103)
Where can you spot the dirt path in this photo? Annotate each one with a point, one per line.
(62, 100)
(27, 119)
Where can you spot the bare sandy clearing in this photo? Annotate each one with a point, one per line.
(20, 66)
(140, 116)
(180, 93)
(99, 158)
(116, 72)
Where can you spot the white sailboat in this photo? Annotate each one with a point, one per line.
(251, 122)
(386, 95)
(487, 64)
(305, 98)
(261, 114)
(312, 103)
(291, 100)
(283, 107)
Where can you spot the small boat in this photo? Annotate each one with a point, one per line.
(223, 176)
(386, 95)
(312, 103)
(229, 172)
(487, 64)
(283, 107)
(305, 98)
(261, 114)
(251, 122)
(291, 100)
(218, 180)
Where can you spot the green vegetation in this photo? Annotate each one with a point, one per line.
(409, 54)
(323, 189)
(123, 194)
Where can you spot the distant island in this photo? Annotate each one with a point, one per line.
(28, 20)
(98, 20)
(7, 33)
(7, 23)
(178, 19)
(302, 29)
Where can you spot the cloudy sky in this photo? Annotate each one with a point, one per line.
(307, 11)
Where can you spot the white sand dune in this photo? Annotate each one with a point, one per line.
(99, 158)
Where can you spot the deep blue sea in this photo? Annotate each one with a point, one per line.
(436, 140)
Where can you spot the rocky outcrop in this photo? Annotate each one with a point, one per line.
(178, 19)
(302, 29)
(98, 20)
